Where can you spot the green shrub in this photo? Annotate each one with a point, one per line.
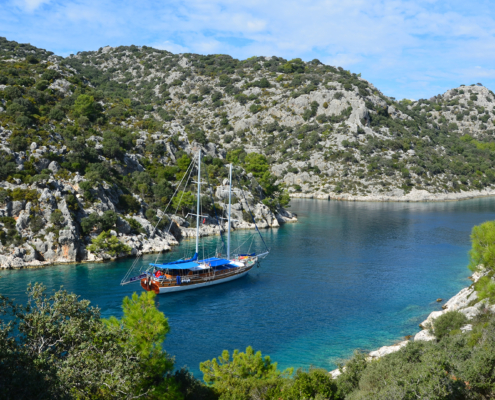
(36, 223)
(448, 322)
(4, 196)
(255, 108)
(105, 242)
(486, 289)
(314, 384)
(244, 375)
(8, 222)
(349, 378)
(136, 227)
(19, 194)
(57, 218)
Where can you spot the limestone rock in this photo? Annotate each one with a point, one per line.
(16, 207)
(61, 85)
(54, 167)
(383, 351)
(461, 299)
(425, 335)
(22, 221)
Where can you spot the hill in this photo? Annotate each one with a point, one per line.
(94, 145)
(85, 174)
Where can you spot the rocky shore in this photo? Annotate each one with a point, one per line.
(466, 302)
(415, 195)
(47, 223)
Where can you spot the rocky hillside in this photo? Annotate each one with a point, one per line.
(324, 131)
(94, 145)
(85, 174)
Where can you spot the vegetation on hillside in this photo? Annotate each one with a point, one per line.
(444, 144)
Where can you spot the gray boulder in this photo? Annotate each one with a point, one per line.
(54, 167)
(16, 207)
(22, 220)
(123, 226)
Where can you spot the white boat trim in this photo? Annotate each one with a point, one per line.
(170, 289)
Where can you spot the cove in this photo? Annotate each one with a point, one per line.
(349, 275)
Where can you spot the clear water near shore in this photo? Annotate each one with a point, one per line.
(348, 275)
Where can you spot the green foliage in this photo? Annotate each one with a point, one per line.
(236, 156)
(448, 322)
(129, 204)
(105, 242)
(486, 289)
(255, 108)
(57, 218)
(8, 222)
(148, 328)
(184, 162)
(227, 374)
(348, 380)
(314, 384)
(183, 201)
(57, 347)
(19, 194)
(84, 106)
(136, 227)
(256, 163)
(482, 246)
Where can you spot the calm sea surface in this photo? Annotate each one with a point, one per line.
(347, 276)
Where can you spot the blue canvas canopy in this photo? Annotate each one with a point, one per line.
(193, 264)
(179, 264)
(184, 265)
(216, 262)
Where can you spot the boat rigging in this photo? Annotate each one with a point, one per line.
(192, 273)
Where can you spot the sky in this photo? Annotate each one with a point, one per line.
(407, 49)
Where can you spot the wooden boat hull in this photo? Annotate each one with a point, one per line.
(163, 289)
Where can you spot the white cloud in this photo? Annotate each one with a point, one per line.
(30, 5)
(410, 45)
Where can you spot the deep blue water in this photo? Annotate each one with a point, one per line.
(347, 276)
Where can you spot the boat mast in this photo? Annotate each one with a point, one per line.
(230, 203)
(197, 206)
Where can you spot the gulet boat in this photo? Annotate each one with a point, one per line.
(193, 273)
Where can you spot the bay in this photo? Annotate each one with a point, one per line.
(347, 276)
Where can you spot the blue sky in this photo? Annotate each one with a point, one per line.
(407, 49)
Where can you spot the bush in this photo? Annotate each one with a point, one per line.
(57, 218)
(448, 322)
(255, 108)
(136, 227)
(316, 383)
(19, 194)
(129, 204)
(36, 223)
(58, 347)
(483, 246)
(486, 289)
(105, 242)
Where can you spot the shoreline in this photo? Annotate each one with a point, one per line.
(459, 302)
(414, 196)
(37, 264)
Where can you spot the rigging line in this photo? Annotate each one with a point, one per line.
(252, 216)
(133, 265)
(176, 190)
(215, 210)
(163, 213)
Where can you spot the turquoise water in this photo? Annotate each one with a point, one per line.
(347, 276)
